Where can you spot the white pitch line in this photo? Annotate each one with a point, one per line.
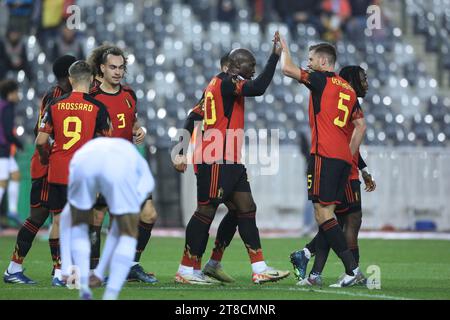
(189, 288)
(353, 294)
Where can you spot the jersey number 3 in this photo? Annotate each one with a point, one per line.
(121, 117)
(341, 106)
(73, 134)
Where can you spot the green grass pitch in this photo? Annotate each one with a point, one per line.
(410, 269)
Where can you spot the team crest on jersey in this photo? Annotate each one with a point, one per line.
(128, 104)
(220, 193)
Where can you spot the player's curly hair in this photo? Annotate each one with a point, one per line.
(352, 74)
(98, 57)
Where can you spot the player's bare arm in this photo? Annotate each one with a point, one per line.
(193, 120)
(358, 134)
(288, 67)
(41, 142)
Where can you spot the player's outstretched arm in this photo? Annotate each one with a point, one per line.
(258, 86)
(288, 67)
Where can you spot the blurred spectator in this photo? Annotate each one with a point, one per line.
(51, 17)
(13, 54)
(226, 11)
(69, 43)
(382, 33)
(262, 11)
(294, 12)
(335, 14)
(20, 13)
(358, 20)
(9, 97)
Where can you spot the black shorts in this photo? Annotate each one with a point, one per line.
(352, 198)
(217, 182)
(39, 193)
(101, 201)
(326, 179)
(57, 197)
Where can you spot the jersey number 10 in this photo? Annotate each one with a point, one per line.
(341, 106)
(210, 116)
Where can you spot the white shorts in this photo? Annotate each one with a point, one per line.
(7, 166)
(114, 168)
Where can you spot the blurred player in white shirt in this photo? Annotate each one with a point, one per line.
(114, 168)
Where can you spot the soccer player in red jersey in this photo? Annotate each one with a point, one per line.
(39, 192)
(331, 106)
(95, 61)
(228, 225)
(348, 213)
(110, 66)
(72, 120)
(221, 176)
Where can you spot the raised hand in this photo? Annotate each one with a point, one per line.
(276, 44)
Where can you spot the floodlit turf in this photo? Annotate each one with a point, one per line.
(410, 269)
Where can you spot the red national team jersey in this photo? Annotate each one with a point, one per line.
(121, 107)
(38, 170)
(198, 109)
(73, 120)
(331, 106)
(223, 120)
(357, 114)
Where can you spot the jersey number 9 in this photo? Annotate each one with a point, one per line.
(73, 134)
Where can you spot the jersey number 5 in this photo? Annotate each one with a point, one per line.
(343, 107)
(210, 109)
(74, 134)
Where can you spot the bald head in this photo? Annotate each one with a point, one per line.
(242, 62)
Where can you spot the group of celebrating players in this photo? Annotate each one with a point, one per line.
(89, 101)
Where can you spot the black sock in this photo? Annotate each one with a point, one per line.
(341, 219)
(25, 238)
(322, 250)
(196, 231)
(55, 252)
(248, 230)
(226, 230)
(311, 246)
(144, 234)
(335, 238)
(355, 252)
(95, 237)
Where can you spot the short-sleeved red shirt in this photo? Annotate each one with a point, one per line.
(72, 120)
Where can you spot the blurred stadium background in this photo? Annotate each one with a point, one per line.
(174, 47)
